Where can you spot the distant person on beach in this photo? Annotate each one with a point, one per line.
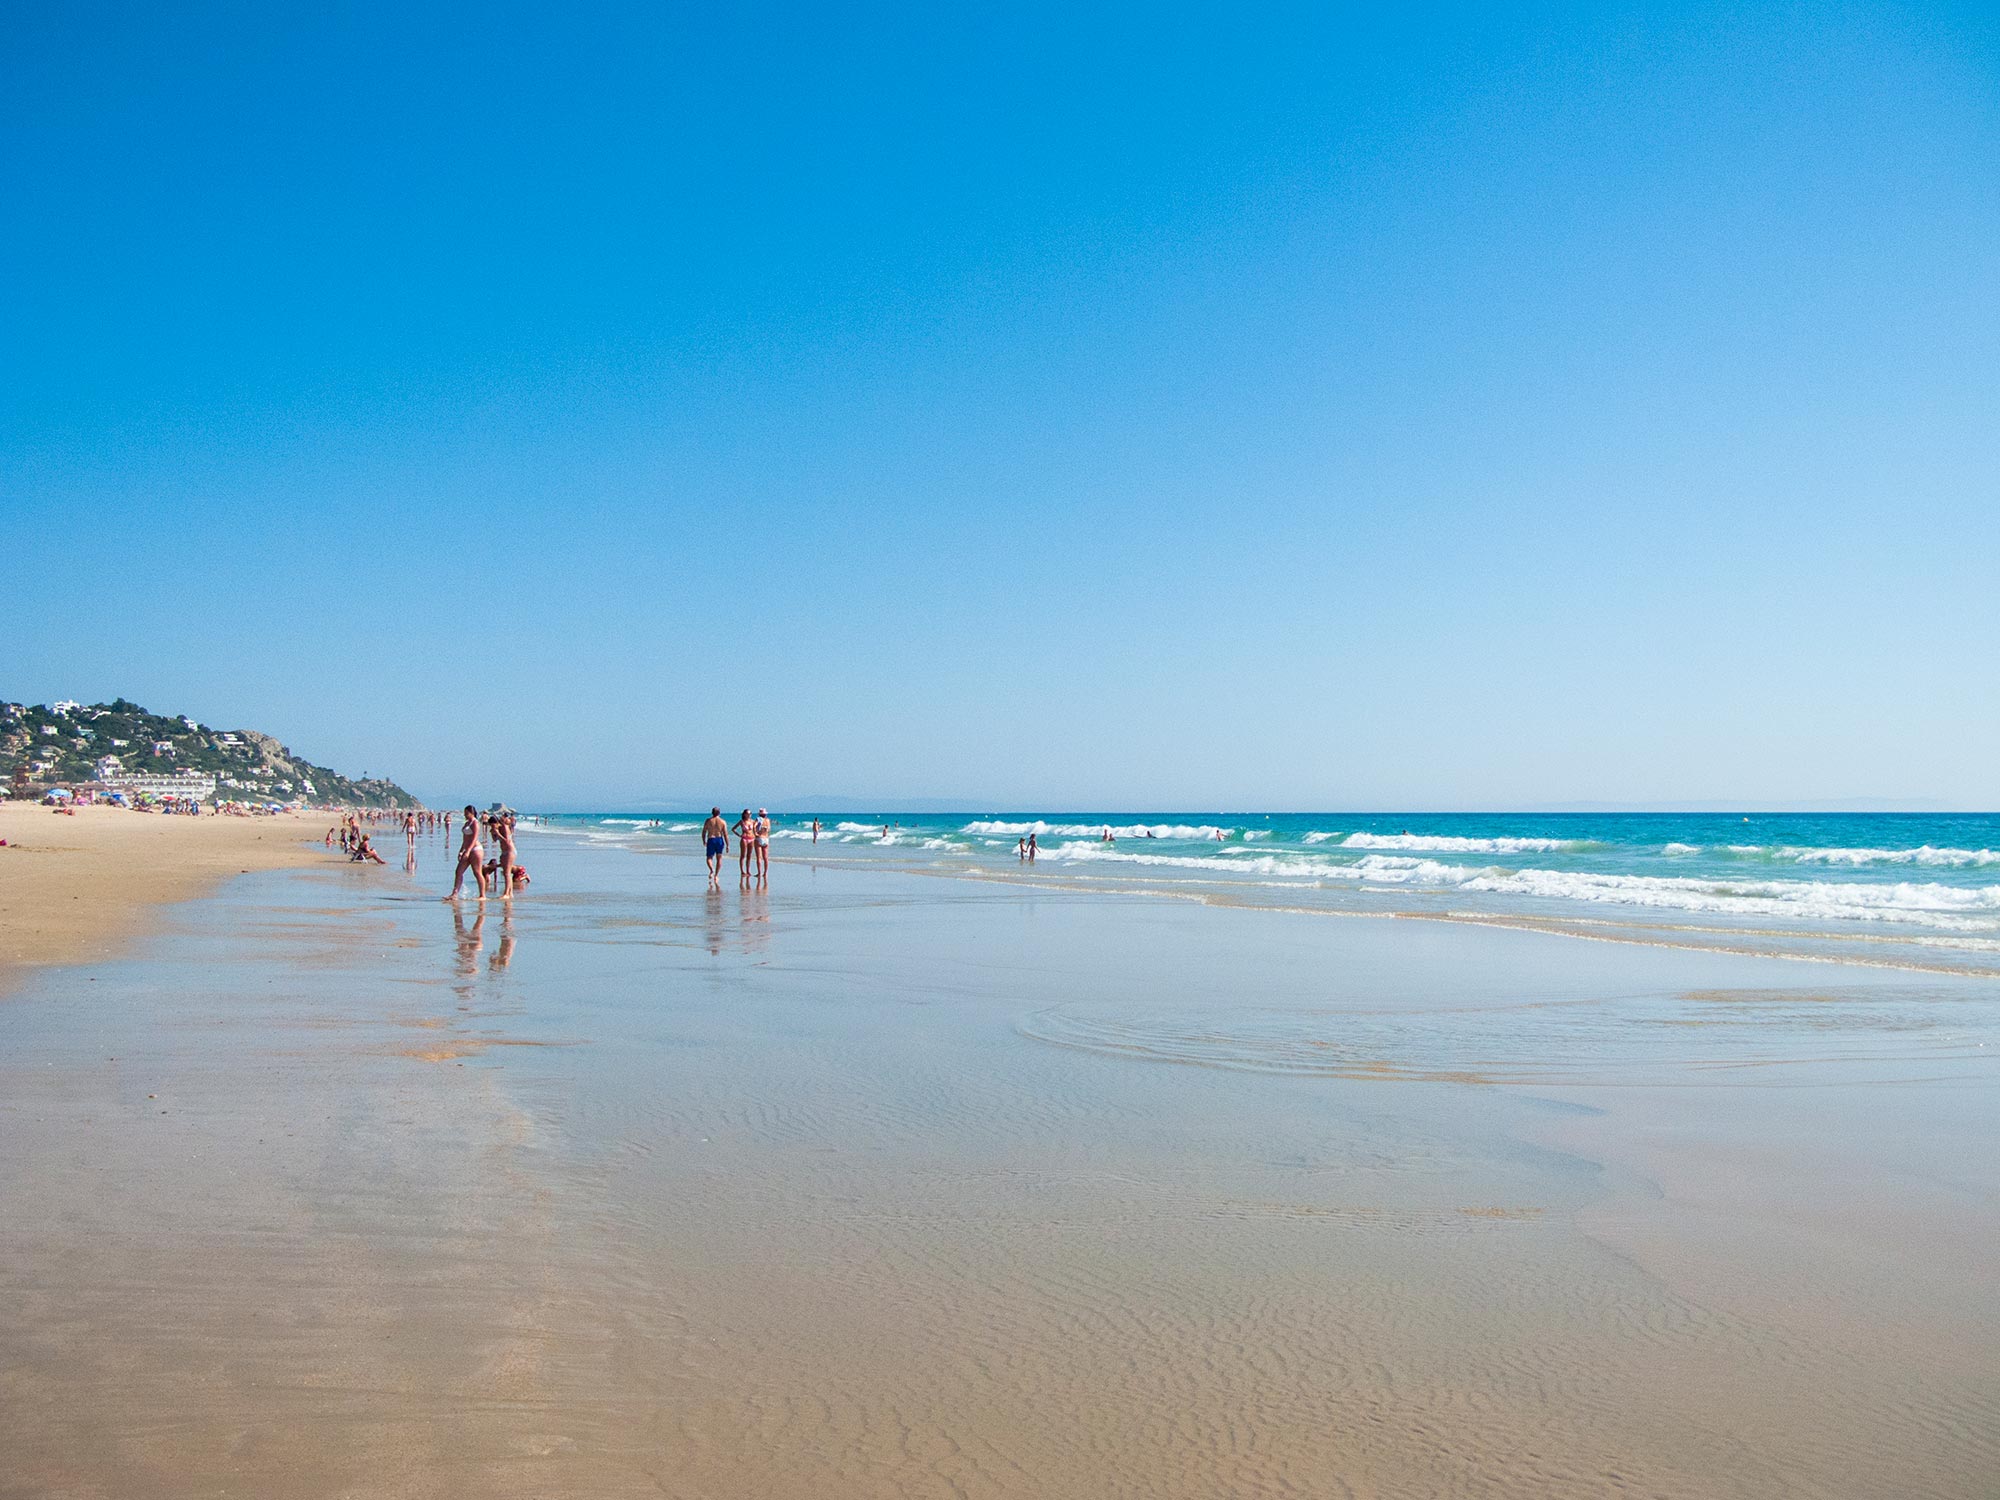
(715, 841)
(1033, 845)
(1109, 838)
(763, 844)
(366, 851)
(746, 844)
(815, 830)
(1021, 849)
(470, 856)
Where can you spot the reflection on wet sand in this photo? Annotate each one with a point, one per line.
(469, 939)
(789, 1194)
(504, 954)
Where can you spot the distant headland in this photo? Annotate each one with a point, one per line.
(120, 746)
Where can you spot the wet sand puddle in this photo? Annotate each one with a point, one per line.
(1648, 1040)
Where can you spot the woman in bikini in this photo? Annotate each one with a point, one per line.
(746, 843)
(471, 856)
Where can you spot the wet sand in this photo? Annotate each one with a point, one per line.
(80, 887)
(885, 1186)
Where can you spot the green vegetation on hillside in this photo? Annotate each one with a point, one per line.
(75, 743)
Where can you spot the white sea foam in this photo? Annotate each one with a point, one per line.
(1951, 908)
(1243, 861)
(1041, 830)
(1682, 849)
(1924, 854)
(1445, 844)
(1940, 907)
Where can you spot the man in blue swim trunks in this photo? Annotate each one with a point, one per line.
(715, 839)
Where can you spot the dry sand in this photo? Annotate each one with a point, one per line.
(74, 889)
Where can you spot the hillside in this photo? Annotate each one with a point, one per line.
(74, 743)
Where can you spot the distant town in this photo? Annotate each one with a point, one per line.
(118, 748)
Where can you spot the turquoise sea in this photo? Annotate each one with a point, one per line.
(1909, 889)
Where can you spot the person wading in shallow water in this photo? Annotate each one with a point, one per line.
(470, 856)
(715, 840)
(746, 844)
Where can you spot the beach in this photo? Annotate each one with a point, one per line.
(83, 886)
(892, 1182)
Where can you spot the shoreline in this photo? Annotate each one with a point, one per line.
(1633, 931)
(83, 888)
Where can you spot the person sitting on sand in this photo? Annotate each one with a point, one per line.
(469, 856)
(365, 850)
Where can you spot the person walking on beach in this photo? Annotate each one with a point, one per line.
(763, 844)
(715, 840)
(470, 856)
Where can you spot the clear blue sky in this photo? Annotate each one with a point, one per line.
(1155, 406)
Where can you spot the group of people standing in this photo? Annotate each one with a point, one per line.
(753, 845)
(501, 870)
